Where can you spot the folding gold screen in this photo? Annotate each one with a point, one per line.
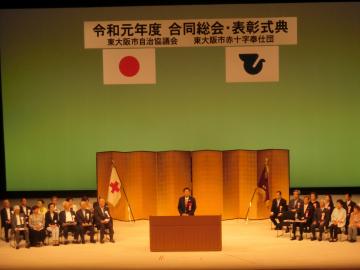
(222, 182)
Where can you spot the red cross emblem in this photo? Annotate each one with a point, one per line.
(114, 187)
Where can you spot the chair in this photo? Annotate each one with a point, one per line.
(61, 236)
(47, 236)
(341, 234)
(12, 240)
(88, 233)
(286, 223)
(326, 232)
(271, 225)
(2, 236)
(2, 233)
(97, 233)
(307, 231)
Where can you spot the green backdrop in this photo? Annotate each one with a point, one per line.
(57, 112)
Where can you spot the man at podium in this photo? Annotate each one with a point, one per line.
(187, 203)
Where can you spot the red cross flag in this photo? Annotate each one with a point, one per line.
(114, 193)
(129, 66)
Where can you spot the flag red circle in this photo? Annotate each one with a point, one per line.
(129, 66)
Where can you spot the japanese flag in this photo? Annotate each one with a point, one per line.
(129, 66)
(114, 193)
(252, 64)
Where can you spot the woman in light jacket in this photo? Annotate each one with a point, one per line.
(338, 220)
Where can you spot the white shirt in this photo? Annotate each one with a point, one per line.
(295, 203)
(68, 216)
(186, 200)
(18, 221)
(305, 207)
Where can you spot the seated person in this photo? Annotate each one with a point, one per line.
(354, 224)
(314, 201)
(295, 204)
(104, 221)
(41, 204)
(67, 220)
(278, 208)
(37, 227)
(6, 213)
(187, 203)
(349, 206)
(54, 200)
(73, 206)
(329, 204)
(18, 225)
(88, 204)
(24, 208)
(90, 207)
(52, 223)
(338, 220)
(321, 220)
(304, 218)
(96, 203)
(85, 222)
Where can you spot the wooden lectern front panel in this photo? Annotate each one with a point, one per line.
(192, 233)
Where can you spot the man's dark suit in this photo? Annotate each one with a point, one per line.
(306, 216)
(278, 211)
(85, 217)
(68, 228)
(51, 220)
(4, 222)
(315, 204)
(189, 208)
(321, 220)
(100, 215)
(26, 211)
(294, 208)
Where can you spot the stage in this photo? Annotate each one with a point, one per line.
(245, 246)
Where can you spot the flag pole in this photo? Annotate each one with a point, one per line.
(250, 203)
(123, 189)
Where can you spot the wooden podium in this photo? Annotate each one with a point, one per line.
(185, 233)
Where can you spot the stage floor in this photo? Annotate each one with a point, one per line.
(245, 246)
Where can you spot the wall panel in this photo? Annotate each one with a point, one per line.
(207, 180)
(173, 174)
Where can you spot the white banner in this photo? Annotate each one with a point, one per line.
(190, 33)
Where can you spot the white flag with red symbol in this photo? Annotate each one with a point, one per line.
(129, 66)
(114, 193)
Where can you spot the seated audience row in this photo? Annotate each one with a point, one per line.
(308, 214)
(36, 223)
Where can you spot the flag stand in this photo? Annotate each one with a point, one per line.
(250, 203)
(123, 189)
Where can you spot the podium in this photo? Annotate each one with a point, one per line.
(185, 233)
